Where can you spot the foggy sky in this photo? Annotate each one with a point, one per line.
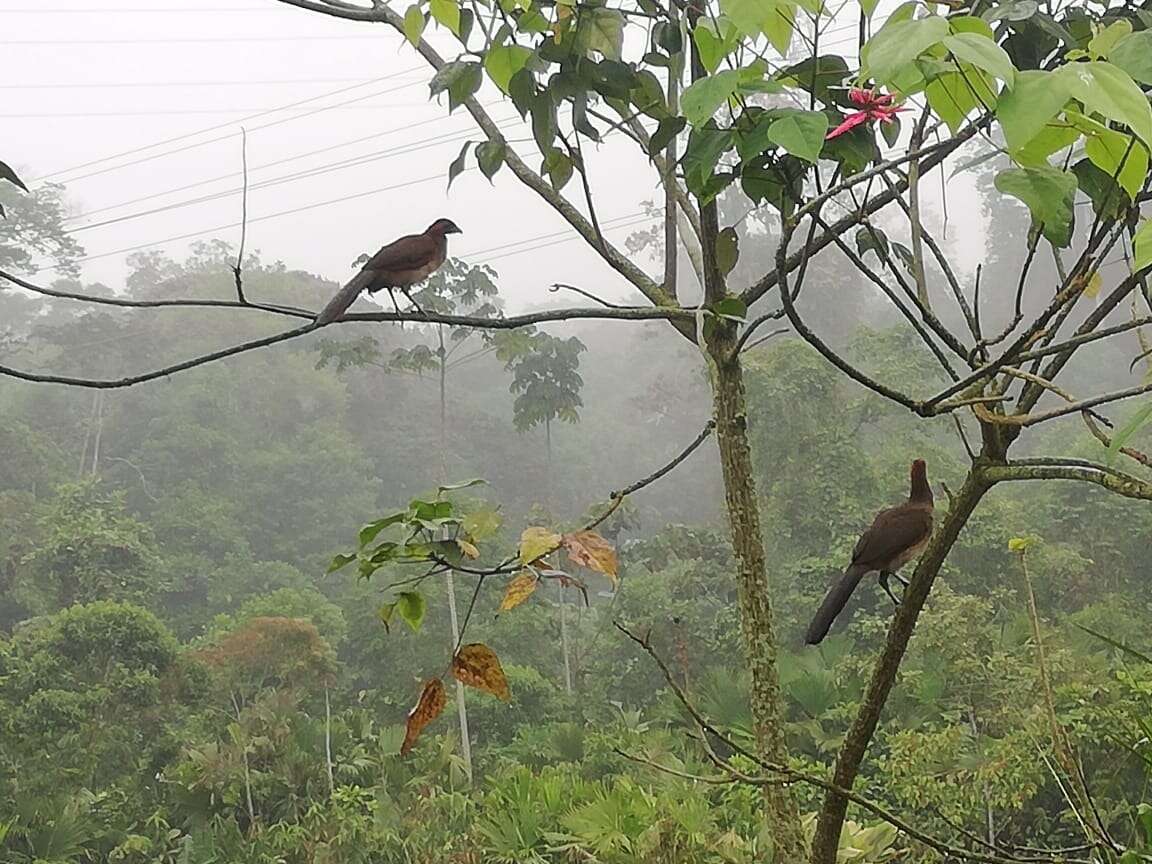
(190, 66)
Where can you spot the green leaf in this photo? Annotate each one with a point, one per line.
(6, 173)
(780, 24)
(701, 100)
(705, 147)
(503, 62)
(1118, 155)
(522, 90)
(414, 23)
(816, 75)
(954, 95)
(1133, 54)
(536, 542)
(801, 133)
(710, 46)
(872, 240)
(458, 163)
(1051, 139)
(411, 607)
(1014, 10)
(1133, 425)
(544, 122)
(481, 524)
(1104, 89)
(370, 531)
(667, 36)
(971, 24)
(461, 79)
(732, 308)
(1142, 245)
(489, 157)
(727, 254)
(897, 45)
(558, 167)
(647, 94)
(748, 16)
(982, 53)
(447, 13)
(339, 562)
(602, 30)
(1048, 194)
(1019, 544)
(1107, 39)
(1035, 99)
(1109, 201)
(668, 128)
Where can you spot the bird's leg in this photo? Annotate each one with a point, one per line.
(415, 305)
(884, 577)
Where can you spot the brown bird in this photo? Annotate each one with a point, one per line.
(401, 264)
(897, 535)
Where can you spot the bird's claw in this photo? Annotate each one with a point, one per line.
(884, 577)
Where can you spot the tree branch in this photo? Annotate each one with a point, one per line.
(511, 323)
(1100, 475)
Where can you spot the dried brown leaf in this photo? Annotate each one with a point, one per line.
(477, 665)
(589, 549)
(428, 707)
(519, 590)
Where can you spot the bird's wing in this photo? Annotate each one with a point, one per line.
(894, 531)
(407, 253)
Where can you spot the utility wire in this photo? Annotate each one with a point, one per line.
(306, 173)
(187, 135)
(293, 158)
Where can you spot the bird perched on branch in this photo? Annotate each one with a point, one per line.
(897, 535)
(399, 265)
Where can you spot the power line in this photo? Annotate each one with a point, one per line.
(231, 123)
(271, 164)
(64, 115)
(114, 84)
(103, 9)
(307, 173)
(185, 39)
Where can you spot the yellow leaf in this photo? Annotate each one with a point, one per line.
(476, 665)
(468, 549)
(1018, 544)
(589, 549)
(428, 707)
(1093, 286)
(518, 590)
(536, 543)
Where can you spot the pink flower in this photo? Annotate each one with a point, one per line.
(874, 106)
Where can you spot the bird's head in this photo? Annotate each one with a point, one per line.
(920, 488)
(443, 227)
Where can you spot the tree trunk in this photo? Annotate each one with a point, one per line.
(755, 606)
(453, 614)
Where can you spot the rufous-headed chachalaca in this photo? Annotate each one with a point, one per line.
(400, 264)
(897, 535)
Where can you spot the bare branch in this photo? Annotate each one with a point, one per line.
(479, 323)
(243, 216)
(1100, 475)
(290, 311)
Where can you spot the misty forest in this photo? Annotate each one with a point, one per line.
(811, 524)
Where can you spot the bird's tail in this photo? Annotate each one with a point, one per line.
(339, 304)
(834, 604)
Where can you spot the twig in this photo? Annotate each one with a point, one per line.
(243, 216)
(751, 326)
(556, 286)
(767, 337)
